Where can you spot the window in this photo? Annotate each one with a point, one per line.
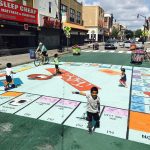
(63, 8)
(78, 17)
(50, 5)
(72, 15)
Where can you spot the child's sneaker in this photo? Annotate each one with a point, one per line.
(13, 86)
(90, 131)
(6, 89)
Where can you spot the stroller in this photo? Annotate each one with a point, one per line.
(137, 56)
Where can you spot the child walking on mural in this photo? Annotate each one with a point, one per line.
(93, 108)
(56, 61)
(9, 79)
(123, 77)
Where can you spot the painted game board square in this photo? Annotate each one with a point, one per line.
(146, 94)
(137, 93)
(60, 111)
(136, 76)
(147, 101)
(18, 103)
(37, 108)
(14, 94)
(75, 64)
(139, 136)
(137, 83)
(137, 107)
(116, 67)
(137, 99)
(147, 85)
(145, 88)
(105, 66)
(4, 99)
(137, 88)
(139, 121)
(136, 71)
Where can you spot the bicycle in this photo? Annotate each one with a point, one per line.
(39, 60)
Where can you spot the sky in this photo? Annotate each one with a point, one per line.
(124, 11)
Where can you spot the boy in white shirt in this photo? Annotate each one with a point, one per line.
(93, 107)
(9, 79)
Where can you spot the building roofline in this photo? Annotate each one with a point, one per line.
(93, 6)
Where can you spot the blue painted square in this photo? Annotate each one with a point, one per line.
(17, 81)
(137, 107)
(137, 99)
(137, 88)
(105, 66)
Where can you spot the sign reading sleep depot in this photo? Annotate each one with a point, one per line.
(16, 12)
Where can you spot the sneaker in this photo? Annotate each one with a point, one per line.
(6, 89)
(90, 131)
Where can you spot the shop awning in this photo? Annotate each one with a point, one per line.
(74, 26)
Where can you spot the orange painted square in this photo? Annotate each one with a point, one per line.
(110, 72)
(139, 121)
(13, 94)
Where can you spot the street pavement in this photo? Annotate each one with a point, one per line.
(25, 58)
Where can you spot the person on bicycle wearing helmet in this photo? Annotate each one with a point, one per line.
(42, 49)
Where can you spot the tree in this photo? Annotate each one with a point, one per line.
(138, 33)
(129, 34)
(115, 32)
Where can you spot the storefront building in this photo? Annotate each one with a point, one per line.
(72, 17)
(18, 27)
(48, 22)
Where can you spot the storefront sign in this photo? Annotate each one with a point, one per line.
(16, 12)
(49, 22)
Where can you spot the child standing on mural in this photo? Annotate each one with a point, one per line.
(56, 61)
(9, 79)
(93, 108)
(123, 77)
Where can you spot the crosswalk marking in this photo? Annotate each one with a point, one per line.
(107, 51)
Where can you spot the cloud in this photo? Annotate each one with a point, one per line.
(125, 12)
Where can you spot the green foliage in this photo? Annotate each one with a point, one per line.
(138, 33)
(129, 34)
(115, 32)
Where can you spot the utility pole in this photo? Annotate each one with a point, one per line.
(145, 25)
(60, 28)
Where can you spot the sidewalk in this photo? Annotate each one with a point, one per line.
(25, 58)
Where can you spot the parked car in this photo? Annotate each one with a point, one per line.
(121, 43)
(110, 46)
(127, 44)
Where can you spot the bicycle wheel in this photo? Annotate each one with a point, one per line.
(37, 62)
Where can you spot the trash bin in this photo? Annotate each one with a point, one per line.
(32, 54)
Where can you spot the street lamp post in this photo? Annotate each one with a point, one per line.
(143, 25)
(60, 29)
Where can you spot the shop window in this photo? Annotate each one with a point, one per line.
(72, 15)
(78, 17)
(63, 8)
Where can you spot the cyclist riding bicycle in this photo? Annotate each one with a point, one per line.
(42, 50)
